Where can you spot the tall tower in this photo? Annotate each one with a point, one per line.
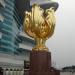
(8, 34)
(2, 5)
(13, 41)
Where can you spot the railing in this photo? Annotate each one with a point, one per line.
(9, 71)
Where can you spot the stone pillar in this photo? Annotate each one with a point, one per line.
(40, 63)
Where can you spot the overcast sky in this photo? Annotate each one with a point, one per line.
(62, 43)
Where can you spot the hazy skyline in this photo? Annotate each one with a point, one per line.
(62, 43)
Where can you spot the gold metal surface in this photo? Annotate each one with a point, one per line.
(39, 24)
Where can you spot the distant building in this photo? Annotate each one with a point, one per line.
(69, 69)
(15, 45)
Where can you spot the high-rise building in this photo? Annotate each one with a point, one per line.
(2, 5)
(7, 26)
(15, 45)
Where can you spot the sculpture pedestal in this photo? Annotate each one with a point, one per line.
(40, 63)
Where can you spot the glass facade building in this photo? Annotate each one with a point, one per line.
(13, 40)
(7, 26)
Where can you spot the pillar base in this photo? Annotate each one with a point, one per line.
(40, 64)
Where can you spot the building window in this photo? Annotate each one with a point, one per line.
(2, 3)
(0, 35)
(1, 18)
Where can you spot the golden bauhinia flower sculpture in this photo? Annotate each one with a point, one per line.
(39, 24)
